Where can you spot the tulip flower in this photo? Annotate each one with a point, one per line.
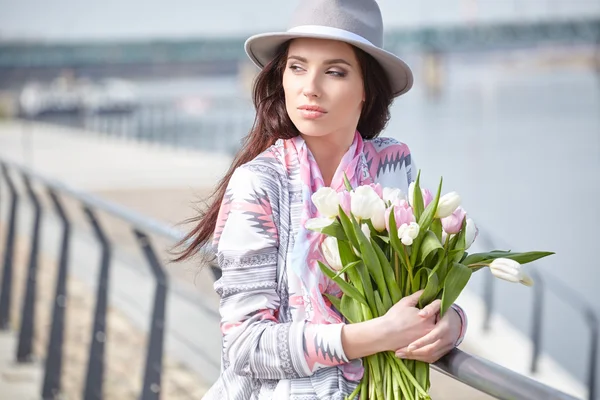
(331, 252)
(365, 202)
(327, 202)
(510, 270)
(452, 223)
(447, 205)
(378, 189)
(378, 216)
(391, 195)
(317, 224)
(403, 213)
(366, 230)
(471, 233)
(408, 233)
(345, 201)
(425, 194)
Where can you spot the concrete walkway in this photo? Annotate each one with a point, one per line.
(17, 381)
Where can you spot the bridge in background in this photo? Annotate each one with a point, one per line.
(20, 61)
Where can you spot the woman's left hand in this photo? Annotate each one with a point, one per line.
(439, 341)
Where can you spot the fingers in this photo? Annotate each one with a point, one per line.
(413, 299)
(430, 353)
(426, 340)
(431, 309)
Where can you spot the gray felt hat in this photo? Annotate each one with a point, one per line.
(357, 22)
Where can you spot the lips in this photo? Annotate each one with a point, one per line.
(311, 112)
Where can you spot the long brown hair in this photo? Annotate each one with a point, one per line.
(272, 123)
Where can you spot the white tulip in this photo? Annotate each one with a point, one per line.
(331, 252)
(392, 194)
(327, 201)
(444, 237)
(378, 217)
(408, 233)
(510, 270)
(317, 224)
(411, 194)
(366, 230)
(364, 202)
(447, 205)
(470, 233)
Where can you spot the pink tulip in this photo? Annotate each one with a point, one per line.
(453, 222)
(345, 201)
(427, 197)
(403, 214)
(378, 189)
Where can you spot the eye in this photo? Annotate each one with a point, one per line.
(337, 74)
(295, 68)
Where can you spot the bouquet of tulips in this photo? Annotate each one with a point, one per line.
(381, 246)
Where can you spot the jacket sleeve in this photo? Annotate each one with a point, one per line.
(255, 344)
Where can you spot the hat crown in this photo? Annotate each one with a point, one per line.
(361, 17)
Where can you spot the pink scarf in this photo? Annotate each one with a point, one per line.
(305, 278)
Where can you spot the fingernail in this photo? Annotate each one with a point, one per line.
(400, 354)
(423, 313)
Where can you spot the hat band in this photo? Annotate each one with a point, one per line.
(329, 31)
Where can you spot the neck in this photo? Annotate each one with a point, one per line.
(328, 151)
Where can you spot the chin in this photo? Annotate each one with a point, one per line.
(312, 128)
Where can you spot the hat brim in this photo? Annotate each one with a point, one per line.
(261, 49)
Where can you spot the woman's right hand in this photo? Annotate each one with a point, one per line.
(404, 323)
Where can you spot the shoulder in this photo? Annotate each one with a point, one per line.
(386, 155)
(265, 171)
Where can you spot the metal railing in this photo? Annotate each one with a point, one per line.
(478, 373)
(543, 283)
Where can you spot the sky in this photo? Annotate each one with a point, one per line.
(68, 20)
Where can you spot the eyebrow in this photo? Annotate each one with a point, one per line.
(326, 62)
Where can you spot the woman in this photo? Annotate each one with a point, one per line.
(322, 99)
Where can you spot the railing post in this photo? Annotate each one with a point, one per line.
(24, 349)
(488, 296)
(153, 370)
(53, 367)
(7, 272)
(536, 329)
(95, 369)
(592, 319)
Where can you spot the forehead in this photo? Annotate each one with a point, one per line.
(321, 49)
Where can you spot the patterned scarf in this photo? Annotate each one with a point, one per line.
(305, 278)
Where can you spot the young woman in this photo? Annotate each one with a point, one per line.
(322, 99)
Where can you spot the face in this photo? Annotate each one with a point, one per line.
(323, 87)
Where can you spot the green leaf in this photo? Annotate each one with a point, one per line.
(429, 245)
(346, 254)
(395, 241)
(347, 183)
(336, 302)
(521, 258)
(428, 215)
(346, 268)
(385, 239)
(418, 198)
(422, 374)
(436, 227)
(372, 262)
(336, 230)
(381, 309)
(388, 275)
(351, 309)
(455, 282)
(420, 279)
(367, 285)
(431, 290)
(348, 227)
(344, 286)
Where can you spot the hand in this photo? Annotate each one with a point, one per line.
(405, 323)
(439, 341)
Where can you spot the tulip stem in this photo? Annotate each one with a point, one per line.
(409, 267)
(478, 265)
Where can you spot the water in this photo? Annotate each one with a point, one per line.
(518, 137)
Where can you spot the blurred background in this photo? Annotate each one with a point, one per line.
(144, 103)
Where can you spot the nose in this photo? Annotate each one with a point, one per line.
(311, 87)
